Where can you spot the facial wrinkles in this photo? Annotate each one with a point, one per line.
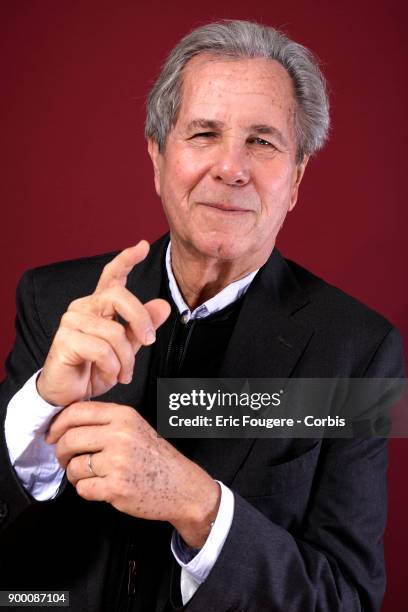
(205, 189)
(216, 104)
(211, 89)
(249, 195)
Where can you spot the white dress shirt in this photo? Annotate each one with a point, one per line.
(28, 418)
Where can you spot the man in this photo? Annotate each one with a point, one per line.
(283, 524)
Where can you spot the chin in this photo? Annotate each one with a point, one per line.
(220, 247)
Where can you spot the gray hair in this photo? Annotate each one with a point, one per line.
(240, 39)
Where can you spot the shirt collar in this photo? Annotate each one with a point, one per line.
(226, 296)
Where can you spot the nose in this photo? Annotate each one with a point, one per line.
(231, 165)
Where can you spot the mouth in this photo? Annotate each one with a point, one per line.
(225, 208)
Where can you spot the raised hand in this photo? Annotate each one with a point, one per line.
(91, 351)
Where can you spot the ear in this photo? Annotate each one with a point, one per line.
(153, 150)
(299, 172)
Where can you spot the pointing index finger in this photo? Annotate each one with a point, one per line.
(117, 270)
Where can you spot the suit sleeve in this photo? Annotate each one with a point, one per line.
(27, 356)
(336, 562)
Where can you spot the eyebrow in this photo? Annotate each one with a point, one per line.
(262, 128)
(205, 124)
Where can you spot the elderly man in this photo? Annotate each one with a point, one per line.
(251, 525)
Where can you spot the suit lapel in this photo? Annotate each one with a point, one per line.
(267, 342)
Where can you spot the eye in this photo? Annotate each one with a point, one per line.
(204, 135)
(260, 141)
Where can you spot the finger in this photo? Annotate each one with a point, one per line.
(73, 348)
(77, 415)
(111, 331)
(116, 271)
(159, 311)
(78, 468)
(119, 301)
(80, 441)
(93, 489)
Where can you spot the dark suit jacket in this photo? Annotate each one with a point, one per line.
(309, 514)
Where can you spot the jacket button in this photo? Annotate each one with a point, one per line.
(3, 510)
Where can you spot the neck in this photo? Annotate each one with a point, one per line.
(200, 278)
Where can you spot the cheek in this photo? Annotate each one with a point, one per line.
(275, 193)
(181, 177)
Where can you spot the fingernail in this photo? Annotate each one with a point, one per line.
(128, 379)
(150, 336)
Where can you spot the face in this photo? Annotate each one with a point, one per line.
(228, 174)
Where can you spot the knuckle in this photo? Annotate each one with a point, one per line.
(67, 440)
(77, 304)
(68, 318)
(128, 423)
(110, 378)
(123, 437)
(115, 368)
(61, 336)
(117, 462)
(71, 472)
(58, 341)
(104, 351)
(73, 412)
(131, 414)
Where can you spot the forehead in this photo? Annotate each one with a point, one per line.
(245, 88)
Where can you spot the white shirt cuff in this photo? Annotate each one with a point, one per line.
(196, 570)
(27, 420)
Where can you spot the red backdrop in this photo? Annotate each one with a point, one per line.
(76, 179)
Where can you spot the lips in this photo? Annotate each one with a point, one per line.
(228, 208)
